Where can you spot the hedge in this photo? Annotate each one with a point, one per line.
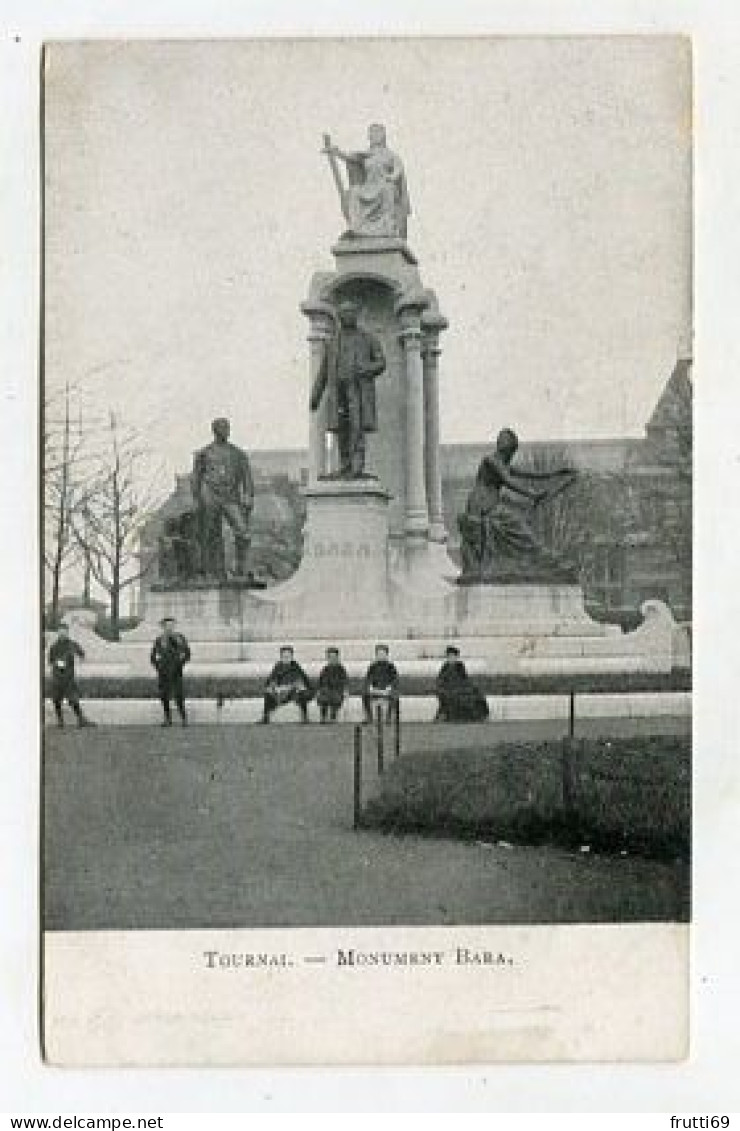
(630, 794)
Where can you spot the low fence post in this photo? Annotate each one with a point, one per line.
(357, 778)
(568, 781)
(379, 738)
(572, 714)
(397, 729)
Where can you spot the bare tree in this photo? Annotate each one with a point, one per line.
(121, 496)
(63, 458)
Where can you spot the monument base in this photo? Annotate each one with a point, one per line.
(355, 587)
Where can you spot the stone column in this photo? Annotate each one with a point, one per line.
(321, 328)
(432, 324)
(409, 309)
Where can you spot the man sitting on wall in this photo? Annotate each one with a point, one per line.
(332, 686)
(287, 683)
(381, 685)
(460, 701)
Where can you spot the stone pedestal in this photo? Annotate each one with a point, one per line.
(342, 582)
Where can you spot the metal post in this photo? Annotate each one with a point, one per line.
(568, 773)
(572, 714)
(357, 781)
(379, 737)
(397, 729)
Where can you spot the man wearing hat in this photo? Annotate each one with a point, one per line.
(352, 360)
(169, 655)
(62, 655)
(223, 488)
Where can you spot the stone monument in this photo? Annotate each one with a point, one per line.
(374, 563)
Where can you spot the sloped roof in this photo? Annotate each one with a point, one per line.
(674, 403)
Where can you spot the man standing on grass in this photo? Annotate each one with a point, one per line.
(170, 653)
(62, 655)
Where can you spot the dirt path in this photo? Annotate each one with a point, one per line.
(251, 826)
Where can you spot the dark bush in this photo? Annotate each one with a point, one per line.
(104, 628)
(619, 794)
(628, 619)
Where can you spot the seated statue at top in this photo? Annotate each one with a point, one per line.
(376, 199)
(497, 541)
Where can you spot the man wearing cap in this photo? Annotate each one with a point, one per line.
(62, 655)
(223, 488)
(287, 683)
(169, 655)
(381, 685)
(332, 688)
(351, 362)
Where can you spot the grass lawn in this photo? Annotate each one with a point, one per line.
(252, 826)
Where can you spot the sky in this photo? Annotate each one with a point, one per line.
(187, 205)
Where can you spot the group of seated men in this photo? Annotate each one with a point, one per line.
(459, 699)
(288, 683)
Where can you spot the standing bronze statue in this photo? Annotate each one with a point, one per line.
(223, 489)
(375, 201)
(352, 360)
(497, 541)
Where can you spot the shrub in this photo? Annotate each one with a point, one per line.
(616, 794)
(125, 624)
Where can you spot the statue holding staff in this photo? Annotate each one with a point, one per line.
(375, 201)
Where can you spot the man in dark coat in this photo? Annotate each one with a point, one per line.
(352, 361)
(62, 655)
(460, 701)
(223, 488)
(287, 683)
(381, 684)
(332, 686)
(169, 655)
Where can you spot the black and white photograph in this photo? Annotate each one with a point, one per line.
(367, 477)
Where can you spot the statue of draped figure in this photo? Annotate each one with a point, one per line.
(375, 201)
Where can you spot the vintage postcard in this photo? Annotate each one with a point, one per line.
(367, 512)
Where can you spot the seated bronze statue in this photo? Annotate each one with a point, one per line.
(497, 541)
